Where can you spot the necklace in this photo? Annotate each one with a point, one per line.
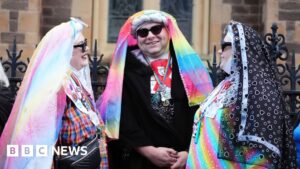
(80, 92)
(162, 93)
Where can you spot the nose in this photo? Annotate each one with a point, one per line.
(220, 52)
(150, 35)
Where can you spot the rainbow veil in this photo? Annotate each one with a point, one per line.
(36, 115)
(196, 80)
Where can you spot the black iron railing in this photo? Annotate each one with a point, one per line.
(99, 71)
(14, 68)
(287, 70)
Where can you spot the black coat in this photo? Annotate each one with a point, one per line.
(141, 126)
(6, 103)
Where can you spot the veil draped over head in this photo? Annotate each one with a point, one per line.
(36, 115)
(194, 75)
(257, 129)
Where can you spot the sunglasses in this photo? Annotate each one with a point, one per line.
(225, 44)
(154, 29)
(82, 45)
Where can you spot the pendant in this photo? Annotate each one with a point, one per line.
(156, 98)
(165, 94)
(86, 105)
(74, 96)
(78, 89)
(166, 103)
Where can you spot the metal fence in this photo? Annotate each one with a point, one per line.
(288, 72)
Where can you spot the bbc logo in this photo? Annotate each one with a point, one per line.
(26, 150)
(43, 150)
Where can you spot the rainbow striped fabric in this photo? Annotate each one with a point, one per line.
(203, 151)
(36, 115)
(193, 73)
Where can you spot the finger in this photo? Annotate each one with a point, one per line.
(167, 159)
(174, 166)
(171, 151)
(175, 156)
(173, 160)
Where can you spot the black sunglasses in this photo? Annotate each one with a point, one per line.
(225, 44)
(144, 32)
(82, 45)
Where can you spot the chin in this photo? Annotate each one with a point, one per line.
(85, 63)
(222, 67)
(155, 53)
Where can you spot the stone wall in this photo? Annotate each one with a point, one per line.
(12, 9)
(289, 12)
(19, 19)
(54, 12)
(28, 21)
(248, 12)
(286, 13)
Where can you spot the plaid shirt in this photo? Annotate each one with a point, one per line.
(76, 125)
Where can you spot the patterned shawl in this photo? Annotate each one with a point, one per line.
(36, 115)
(196, 80)
(258, 128)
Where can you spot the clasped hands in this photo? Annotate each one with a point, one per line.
(164, 157)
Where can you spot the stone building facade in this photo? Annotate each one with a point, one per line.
(201, 20)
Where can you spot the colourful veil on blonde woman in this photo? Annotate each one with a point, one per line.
(36, 115)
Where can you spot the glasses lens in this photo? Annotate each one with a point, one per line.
(83, 46)
(142, 32)
(225, 44)
(156, 29)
